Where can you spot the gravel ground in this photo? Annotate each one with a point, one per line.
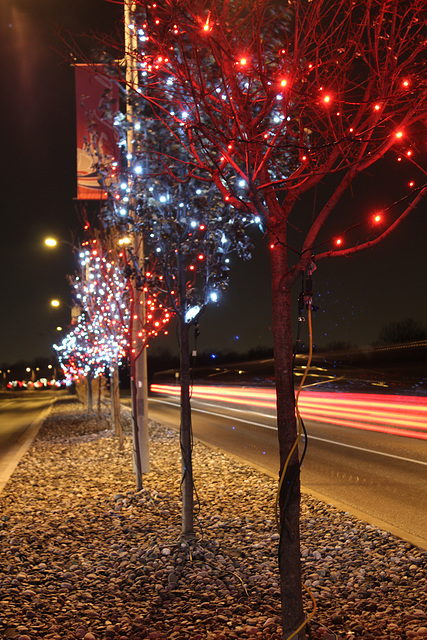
(83, 555)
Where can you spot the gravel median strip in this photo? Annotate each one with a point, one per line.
(84, 555)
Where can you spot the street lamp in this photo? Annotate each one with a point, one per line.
(52, 242)
(32, 372)
(4, 377)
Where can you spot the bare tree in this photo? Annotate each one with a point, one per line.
(188, 233)
(398, 332)
(286, 107)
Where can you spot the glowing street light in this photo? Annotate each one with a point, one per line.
(52, 242)
(55, 303)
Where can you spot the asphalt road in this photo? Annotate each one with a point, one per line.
(379, 477)
(21, 415)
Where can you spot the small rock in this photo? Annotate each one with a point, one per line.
(337, 619)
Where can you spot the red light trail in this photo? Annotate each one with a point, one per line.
(396, 415)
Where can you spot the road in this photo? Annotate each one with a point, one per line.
(21, 414)
(378, 475)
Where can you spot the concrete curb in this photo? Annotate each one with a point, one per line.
(18, 451)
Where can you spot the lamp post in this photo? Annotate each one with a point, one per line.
(52, 242)
(32, 372)
(4, 373)
(138, 351)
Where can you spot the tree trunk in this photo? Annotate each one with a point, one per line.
(89, 379)
(185, 432)
(289, 500)
(112, 402)
(139, 395)
(115, 405)
(99, 394)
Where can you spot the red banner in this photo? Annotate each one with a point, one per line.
(96, 136)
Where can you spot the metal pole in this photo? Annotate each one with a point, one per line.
(138, 351)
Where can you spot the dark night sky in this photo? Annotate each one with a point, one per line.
(357, 295)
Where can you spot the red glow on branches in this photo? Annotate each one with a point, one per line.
(207, 26)
(338, 241)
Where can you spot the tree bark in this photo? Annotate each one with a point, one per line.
(89, 379)
(115, 405)
(137, 465)
(185, 433)
(289, 500)
(99, 394)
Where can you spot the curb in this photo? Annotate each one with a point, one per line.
(18, 451)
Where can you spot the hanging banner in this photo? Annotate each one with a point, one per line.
(97, 98)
